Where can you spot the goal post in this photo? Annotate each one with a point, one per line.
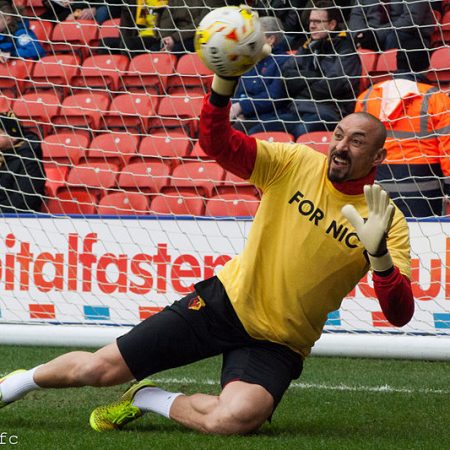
(133, 211)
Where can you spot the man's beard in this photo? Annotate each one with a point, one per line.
(338, 176)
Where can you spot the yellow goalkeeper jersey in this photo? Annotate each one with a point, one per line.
(302, 256)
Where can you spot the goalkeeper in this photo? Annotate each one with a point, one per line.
(321, 226)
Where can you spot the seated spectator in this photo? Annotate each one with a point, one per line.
(158, 26)
(289, 12)
(416, 171)
(321, 79)
(260, 90)
(381, 25)
(22, 178)
(16, 38)
(60, 10)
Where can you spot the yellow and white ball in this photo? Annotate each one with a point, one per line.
(229, 40)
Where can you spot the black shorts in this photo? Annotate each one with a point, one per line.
(201, 325)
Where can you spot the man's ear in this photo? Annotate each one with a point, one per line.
(333, 24)
(380, 156)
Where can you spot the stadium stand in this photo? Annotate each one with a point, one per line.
(187, 203)
(149, 73)
(318, 140)
(107, 108)
(145, 177)
(123, 203)
(236, 205)
(201, 178)
(72, 202)
(116, 148)
(101, 72)
(64, 148)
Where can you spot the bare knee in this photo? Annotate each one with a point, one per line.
(238, 421)
(239, 416)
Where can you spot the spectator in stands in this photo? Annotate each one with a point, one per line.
(138, 25)
(261, 89)
(416, 172)
(173, 27)
(322, 78)
(60, 10)
(180, 19)
(22, 178)
(381, 25)
(16, 38)
(289, 12)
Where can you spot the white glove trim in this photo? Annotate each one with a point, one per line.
(224, 87)
(381, 263)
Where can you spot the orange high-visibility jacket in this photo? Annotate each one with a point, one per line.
(418, 142)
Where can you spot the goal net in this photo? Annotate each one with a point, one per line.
(115, 210)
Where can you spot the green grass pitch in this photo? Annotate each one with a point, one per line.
(337, 403)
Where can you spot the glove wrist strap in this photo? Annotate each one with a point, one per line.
(225, 87)
(381, 263)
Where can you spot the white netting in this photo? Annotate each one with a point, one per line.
(111, 117)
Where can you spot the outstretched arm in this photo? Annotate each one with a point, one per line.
(233, 150)
(392, 288)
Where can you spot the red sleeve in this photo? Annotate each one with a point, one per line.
(233, 150)
(395, 296)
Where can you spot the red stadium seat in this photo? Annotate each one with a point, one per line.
(13, 75)
(131, 111)
(72, 202)
(439, 72)
(199, 177)
(83, 111)
(236, 185)
(149, 73)
(117, 148)
(441, 35)
(368, 62)
(109, 29)
(95, 178)
(191, 76)
(101, 71)
(386, 65)
(5, 104)
(36, 111)
(318, 140)
(75, 37)
(232, 205)
(147, 177)
(274, 136)
(123, 204)
(54, 72)
(187, 203)
(64, 148)
(43, 30)
(168, 147)
(198, 152)
(179, 112)
(56, 177)
(34, 8)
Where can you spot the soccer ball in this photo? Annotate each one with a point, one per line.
(229, 40)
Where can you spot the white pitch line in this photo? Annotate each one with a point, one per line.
(341, 387)
(318, 386)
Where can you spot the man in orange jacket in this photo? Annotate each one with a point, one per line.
(416, 172)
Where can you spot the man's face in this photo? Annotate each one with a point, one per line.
(354, 149)
(319, 25)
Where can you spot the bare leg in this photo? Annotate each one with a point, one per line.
(104, 367)
(240, 408)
